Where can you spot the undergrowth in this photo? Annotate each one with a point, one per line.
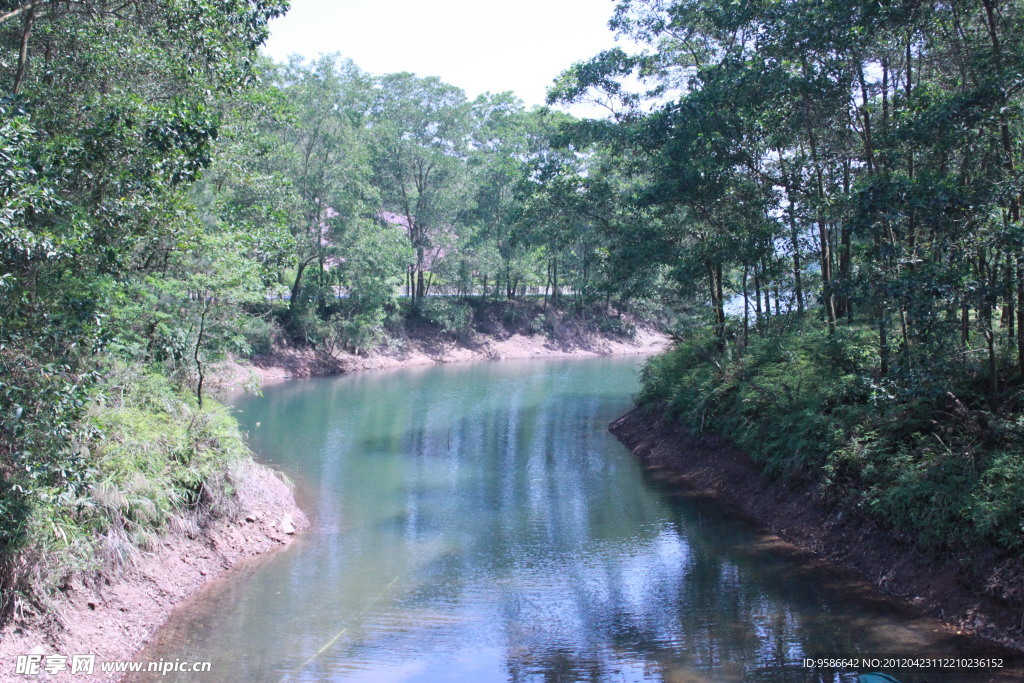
(925, 459)
(157, 463)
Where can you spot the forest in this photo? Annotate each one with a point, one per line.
(821, 199)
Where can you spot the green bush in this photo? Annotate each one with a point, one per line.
(514, 314)
(450, 315)
(997, 508)
(150, 459)
(616, 326)
(358, 332)
(259, 334)
(544, 323)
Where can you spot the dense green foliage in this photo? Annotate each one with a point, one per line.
(111, 112)
(153, 462)
(837, 185)
(946, 475)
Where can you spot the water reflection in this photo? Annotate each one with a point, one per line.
(478, 523)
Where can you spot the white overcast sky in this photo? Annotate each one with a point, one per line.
(477, 45)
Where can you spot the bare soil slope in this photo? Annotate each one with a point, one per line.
(427, 346)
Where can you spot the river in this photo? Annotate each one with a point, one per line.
(478, 523)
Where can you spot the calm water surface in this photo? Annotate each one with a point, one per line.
(478, 523)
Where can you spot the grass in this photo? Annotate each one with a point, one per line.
(157, 463)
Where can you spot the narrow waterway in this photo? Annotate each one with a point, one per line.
(478, 523)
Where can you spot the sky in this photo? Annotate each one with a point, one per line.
(477, 45)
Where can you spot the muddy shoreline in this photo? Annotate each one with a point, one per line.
(426, 347)
(982, 596)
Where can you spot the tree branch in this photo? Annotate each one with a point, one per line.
(14, 13)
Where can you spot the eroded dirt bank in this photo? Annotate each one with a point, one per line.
(112, 614)
(428, 347)
(982, 595)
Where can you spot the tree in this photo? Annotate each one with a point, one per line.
(324, 155)
(421, 130)
(112, 113)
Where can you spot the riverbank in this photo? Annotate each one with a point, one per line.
(427, 345)
(981, 596)
(170, 499)
(113, 612)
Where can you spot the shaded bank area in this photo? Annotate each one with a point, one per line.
(167, 497)
(114, 611)
(980, 595)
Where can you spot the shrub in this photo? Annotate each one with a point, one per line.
(356, 332)
(616, 326)
(259, 334)
(450, 315)
(151, 460)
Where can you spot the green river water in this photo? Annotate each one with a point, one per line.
(478, 523)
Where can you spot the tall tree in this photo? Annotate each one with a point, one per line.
(421, 129)
(325, 156)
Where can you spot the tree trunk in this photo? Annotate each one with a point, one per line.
(207, 302)
(757, 295)
(721, 306)
(1009, 317)
(883, 343)
(547, 283)
(297, 288)
(746, 309)
(965, 325)
(845, 257)
(1020, 314)
(826, 276)
(824, 240)
(794, 237)
(554, 284)
(26, 31)
(717, 305)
